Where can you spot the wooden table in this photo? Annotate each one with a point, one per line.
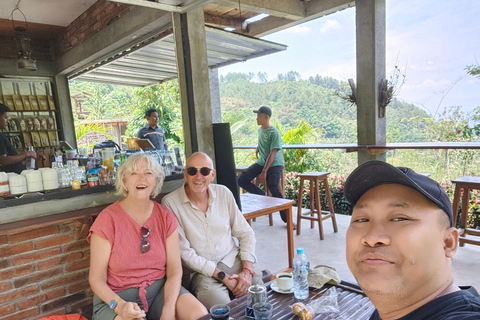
(254, 205)
(352, 304)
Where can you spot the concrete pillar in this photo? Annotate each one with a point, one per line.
(193, 80)
(62, 93)
(215, 96)
(370, 26)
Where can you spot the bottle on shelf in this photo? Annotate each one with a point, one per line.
(300, 275)
(117, 160)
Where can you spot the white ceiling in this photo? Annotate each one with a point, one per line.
(52, 12)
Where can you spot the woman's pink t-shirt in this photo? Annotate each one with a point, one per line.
(128, 267)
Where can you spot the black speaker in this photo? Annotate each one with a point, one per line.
(224, 159)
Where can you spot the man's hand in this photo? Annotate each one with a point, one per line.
(30, 154)
(244, 280)
(230, 283)
(262, 177)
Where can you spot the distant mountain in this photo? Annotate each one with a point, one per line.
(315, 101)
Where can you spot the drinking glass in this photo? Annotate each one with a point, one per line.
(262, 310)
(220, 312)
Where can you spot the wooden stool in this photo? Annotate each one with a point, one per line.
(467, 184)
(315, 206)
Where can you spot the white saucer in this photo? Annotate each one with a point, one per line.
(275, 288)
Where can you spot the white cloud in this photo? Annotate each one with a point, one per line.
(297, 29)
(330, 25)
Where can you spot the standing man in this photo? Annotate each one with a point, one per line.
(210, 225)
(400, 245)
(10, 160)
(152, 131)
(269, 167)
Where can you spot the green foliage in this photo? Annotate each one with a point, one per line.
(165, 98)
(82, 130)
(473, 70)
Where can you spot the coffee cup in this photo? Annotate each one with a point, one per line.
(285, 281)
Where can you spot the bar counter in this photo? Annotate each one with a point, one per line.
(45, 256)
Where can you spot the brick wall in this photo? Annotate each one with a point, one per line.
(44, 271)
(94, 19)
(97, 17)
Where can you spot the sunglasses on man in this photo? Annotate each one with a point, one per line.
(204, 171)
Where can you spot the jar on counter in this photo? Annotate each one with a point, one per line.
(92, 180)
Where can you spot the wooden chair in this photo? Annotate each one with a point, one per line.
(467, 184)
(316, 214)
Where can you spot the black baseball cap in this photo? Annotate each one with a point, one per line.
(374, 173)
(265, 110)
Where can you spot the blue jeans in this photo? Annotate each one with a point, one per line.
(274, 174)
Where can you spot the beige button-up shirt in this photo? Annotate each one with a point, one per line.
(207, 239)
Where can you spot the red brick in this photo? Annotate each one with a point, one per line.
(37, 277)
(33, 234)
(6, 309)
(68, 227)
(17, 249)
(83, 285)
(16, 272)
(83, 306)
(3, 240)
(51, 263)
(35, 256)
(76, 246)
(64, 281)
(5, 263)
(78, 265)
(74, 256)
(31, 302)
(19, 293)
(5, 286)
(65, 301)
(22, 315)
(55, 293)
(51, 242)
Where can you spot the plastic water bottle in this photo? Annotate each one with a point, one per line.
(300, 275)
(117, 161)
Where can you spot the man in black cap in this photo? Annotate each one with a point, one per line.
(269, 167)
(10, 160)
(400, 245)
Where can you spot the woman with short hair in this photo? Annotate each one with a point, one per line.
(135, 266)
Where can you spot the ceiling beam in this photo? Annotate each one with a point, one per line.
(289, 9)
(223, 21)
(315, 9)
(187, 6)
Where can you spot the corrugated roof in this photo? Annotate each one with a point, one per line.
(153, 63)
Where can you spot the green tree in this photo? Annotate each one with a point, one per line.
(165, 98)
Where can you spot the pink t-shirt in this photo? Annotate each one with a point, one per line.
(128, 267)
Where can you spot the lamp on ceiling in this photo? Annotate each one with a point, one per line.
(25, 59)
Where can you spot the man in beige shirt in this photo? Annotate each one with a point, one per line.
(210, 225)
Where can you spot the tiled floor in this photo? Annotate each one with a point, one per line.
(272, 244)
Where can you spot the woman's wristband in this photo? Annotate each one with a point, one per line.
(249, 271)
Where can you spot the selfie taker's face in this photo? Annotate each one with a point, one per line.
(396, 241)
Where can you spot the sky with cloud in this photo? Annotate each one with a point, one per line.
(430, 41)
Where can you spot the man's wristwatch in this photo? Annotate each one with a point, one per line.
(113, 303)
(220, 276)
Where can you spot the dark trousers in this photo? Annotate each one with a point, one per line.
(274, 174)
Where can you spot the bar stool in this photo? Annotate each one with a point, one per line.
(315, 206)
(466, 183)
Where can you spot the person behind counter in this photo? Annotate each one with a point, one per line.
(135, 266)
(152, 131)
(10, 160)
